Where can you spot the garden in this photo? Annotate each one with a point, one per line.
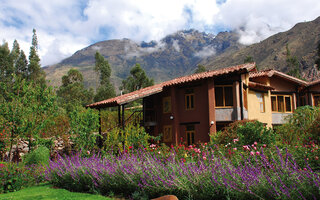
(244, 161)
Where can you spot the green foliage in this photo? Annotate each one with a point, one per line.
(26, 109)
(36, 74)
(137, 80)
(293, 64)
(83, 122)
(72, 90)
(248, 59)
(245, 132)
(105, 89)
(14, 177)
(303, 125)
(38, 156)
(6, 64)
(132, 137)
(318, 54)
(200, 68)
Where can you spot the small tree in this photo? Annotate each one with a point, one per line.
(136, 80)
(200, 68)
(72, 91)
(318, 54)
(105, 89)
(292, 64)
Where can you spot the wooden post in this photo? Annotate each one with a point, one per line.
(123, 120)
(100, 130)
(119, 116)
(211, 107)
(175, 114)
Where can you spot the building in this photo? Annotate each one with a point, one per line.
(190, 108)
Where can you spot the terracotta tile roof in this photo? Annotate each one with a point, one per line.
(259, 86)
(272, 72)
(314, 82)
(126, 98)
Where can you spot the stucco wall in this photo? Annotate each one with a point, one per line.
(254, 108)
(279, 118)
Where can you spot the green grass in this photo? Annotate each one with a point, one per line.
(47, 192)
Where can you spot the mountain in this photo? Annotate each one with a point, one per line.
(178, 54)
(175, 55)
(302, 41)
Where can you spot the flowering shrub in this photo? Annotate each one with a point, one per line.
(14, 176)
(153, 174)
(243, 133)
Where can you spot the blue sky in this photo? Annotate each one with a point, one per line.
(65, 26)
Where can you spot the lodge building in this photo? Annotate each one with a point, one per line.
(189, 108)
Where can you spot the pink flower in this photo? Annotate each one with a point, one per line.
(305, 169)
(317, 158)
(258, 153)
(264, 146)
(88, 152)
(255, 143)
(204, 158)
(255, 148)
(235, 140)
(235, 149)
(1, 165)
(252, 153)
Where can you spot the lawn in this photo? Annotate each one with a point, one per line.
(47, 192)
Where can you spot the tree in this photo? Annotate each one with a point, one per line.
(200, 68)
(72, 91)
(136, 80)
(6, 64)
(292, 64)
(248, 59)
(26, 110)
(105, 89)
(318, 59)
(35, 74)
(19, 59)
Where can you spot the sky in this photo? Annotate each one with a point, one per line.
(65, 26)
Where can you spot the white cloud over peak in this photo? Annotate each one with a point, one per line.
(64, 27)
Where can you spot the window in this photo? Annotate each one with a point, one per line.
(316, 100)
(260, 97)
(281, 103)
(224, 96)
(167, 133)
(190, 132)
(166, 104)
(189, 99)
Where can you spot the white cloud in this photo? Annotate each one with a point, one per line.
(66, 26)
(206, 52)
(259, 19)
(175, 45)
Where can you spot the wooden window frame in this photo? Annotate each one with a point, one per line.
(284, 103)
(167, 139)
(190, 96)
(224, 96)
(190, 135)
(262, 103)
(164, 100)
(314, 102)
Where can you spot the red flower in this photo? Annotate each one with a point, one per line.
(130, 147)
(1, 165)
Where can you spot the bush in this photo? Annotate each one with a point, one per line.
(244, 132)
(38, 156)
(302, 126)
(132, 137)
(14, 177)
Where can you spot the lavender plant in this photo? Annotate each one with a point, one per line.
(258, 176)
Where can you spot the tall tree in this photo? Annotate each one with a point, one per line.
(35, 72)
(200, 68)
(318, 59)
(6, 64)
(136, 80)
(72, 91)
(292, 64)
(19, 59)
(105, 89)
